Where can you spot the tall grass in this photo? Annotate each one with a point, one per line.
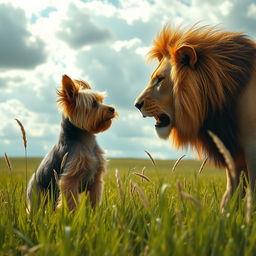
(176, 213)
(147, 209)
(25, 143)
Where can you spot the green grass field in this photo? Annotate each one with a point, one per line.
(139, 217)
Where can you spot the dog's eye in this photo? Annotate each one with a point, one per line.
(94, 104)
(159, 79)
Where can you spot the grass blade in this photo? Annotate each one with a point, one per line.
(119, 184)
(185, 195)
(142, 196)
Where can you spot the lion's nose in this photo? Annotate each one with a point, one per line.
(139, 105)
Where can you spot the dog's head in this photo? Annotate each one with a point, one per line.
(84, 107)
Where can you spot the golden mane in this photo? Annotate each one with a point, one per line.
(224, 66)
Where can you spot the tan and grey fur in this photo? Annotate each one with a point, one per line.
(205, 80)
(84, 114)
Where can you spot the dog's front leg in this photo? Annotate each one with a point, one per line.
(95, 190)
(68, 191)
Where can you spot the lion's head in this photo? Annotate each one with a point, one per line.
(157, 101)
(200, 71)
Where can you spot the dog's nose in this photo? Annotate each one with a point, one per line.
(111, 110)
(139, 105)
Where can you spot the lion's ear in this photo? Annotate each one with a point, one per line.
(186, 55)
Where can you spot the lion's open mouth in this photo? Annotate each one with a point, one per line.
(162, 120)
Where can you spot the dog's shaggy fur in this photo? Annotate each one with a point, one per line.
(205, 80)
(76, 163)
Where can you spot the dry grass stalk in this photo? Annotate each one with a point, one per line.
(179, 188)
(142, 196)
(226, 154)
(119, 219)
(29, 251)
(142, 176)
(185, 195)
(202, 165)
(176, 163)
(178, 217)
(56, 177)
(63, 160)
(143, 172)
(151, 158)
(23, 132)
(249, 204)
(8, 162)
(119, 184)
(132, 188)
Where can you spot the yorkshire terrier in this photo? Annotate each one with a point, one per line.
(76, 163)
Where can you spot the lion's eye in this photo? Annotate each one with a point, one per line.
(159, 80)
(95, 104)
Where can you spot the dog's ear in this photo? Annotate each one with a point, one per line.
(186, 56)
(83, 84)
(68, 88)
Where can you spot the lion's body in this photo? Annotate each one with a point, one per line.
(209, 77)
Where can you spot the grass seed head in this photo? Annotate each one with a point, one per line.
(23, 132)
(249, 205)
(142, 196)
(226, 154)
(144, 177)
(63, 160)
(151, 158)
(176, 163)
(202, 165)
(8, 162)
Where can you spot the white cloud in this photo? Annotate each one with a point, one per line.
(119, 45)
(135, 10)
(35, 126)
(19, 48)
(83, 31)
(117, 65)
(226, 7)
(252, 11)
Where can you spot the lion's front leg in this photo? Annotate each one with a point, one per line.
(250, 154)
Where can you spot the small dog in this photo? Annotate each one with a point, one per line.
(76, 163)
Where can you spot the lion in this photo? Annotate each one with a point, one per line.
(205, 81)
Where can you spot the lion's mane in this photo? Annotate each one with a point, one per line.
(205, 96)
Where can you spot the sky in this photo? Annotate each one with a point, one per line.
(104, 43)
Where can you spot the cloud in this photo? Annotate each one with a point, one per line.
(37, 128)
(116, 69)
(78, 30)
(102, 42)
(251, 13)
(19, 49)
